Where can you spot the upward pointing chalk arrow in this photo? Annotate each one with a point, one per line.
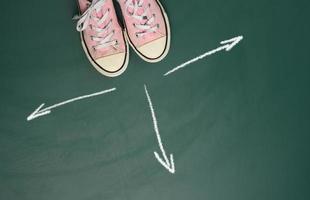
(40, 112)
(227, 46)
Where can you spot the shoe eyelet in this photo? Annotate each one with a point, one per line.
(157, 25)
(134, 25)
(137, 36)
(149, 5)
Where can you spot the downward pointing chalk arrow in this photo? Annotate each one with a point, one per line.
(40, 112)
(227, 46)
(167, 163)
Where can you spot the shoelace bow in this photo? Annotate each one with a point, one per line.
(133, 9)
(85, 20)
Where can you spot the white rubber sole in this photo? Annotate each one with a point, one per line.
(168, 39)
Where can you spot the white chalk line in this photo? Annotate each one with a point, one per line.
(47, 110)
(229, 44)
(169, 165)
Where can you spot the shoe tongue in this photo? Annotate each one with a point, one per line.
(140, 11)
(98, 12)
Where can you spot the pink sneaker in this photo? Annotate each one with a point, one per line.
(102, 37)
(147, 28)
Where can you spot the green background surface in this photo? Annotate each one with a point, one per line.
(236, 122)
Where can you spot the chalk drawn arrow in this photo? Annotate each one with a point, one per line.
(45, 111)
(167, 163)
(227, 46)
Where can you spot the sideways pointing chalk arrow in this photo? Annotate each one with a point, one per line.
(168, 164)
(227, 46)
(45, 111)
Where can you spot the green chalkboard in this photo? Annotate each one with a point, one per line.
(236, 122)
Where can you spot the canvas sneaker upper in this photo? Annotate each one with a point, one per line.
(101, 33)
(146, 22)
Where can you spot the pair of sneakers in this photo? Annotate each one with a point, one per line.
(146, 29)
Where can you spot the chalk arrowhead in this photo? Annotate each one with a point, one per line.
(231, 42)
(168, 164)
(38, 113)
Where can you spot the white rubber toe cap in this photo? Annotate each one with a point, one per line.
(112, 64)
(154, 49)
